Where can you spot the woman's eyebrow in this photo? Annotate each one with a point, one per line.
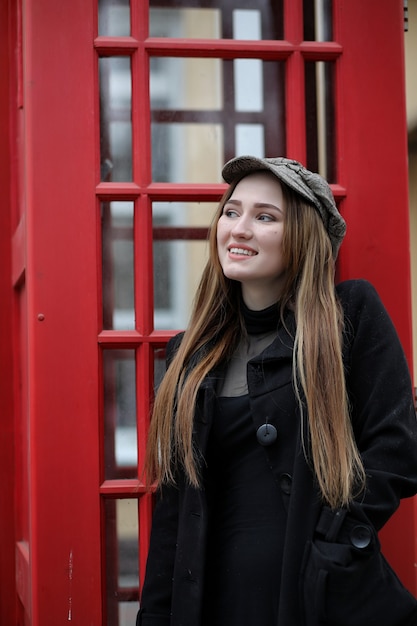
(267, 205)
(258, 205)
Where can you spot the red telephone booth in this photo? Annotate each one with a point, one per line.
(115, 119)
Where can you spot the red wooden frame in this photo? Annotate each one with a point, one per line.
(58, 549)
(7, 456)
(373, 166)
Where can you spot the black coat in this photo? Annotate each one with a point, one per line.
(332, 571)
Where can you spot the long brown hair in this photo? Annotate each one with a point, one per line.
(214, 330)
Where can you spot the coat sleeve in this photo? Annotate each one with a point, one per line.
(157, 589)
(383, 414)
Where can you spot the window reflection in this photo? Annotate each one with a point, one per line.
(119, 413)
(113, 18)
(186, 83)
(231, 20)
(122, 558)
(250, 139)
(249, 88)
(206, 111)
(180, 252)
(318, 20)
(191, 22)
(320, 114)
(115, 119)
(247, 24)
(117, 265)
(183, 152)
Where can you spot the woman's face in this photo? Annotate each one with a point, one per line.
(249, 239)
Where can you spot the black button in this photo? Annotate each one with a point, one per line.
(285, 482)
(266, 434)
(361, 536)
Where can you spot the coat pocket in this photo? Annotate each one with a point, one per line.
(346, 586)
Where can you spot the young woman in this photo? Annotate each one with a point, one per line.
(283, 434)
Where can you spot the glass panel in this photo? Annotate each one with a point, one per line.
(122, 561)
(180, 252)
(118, 265)
(113, 18)
(247, 24)
(236, 19)
(127, 613)
(159, 366)
(320, 118)
(188, 84)
(249, 89)
(318, 20)
(205, 111)
(249, 139)
(120, 442)
(187, 152)
(184, 23)
(115, 119)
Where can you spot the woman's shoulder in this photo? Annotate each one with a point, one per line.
(173, 345)
(363, 308)
(357, 294)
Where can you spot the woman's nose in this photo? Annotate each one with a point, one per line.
(241, 228)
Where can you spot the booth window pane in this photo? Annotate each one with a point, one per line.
(184, 22)
(249, 91)
(119, 414)
(117, 265)
(122, 557)
(199, 87)
(318, 20)
(115, 119)
(199, 145)
(231, 20)
(250, 139)
(205, 111)
(113, 18)
(180, 252)
(320, 118)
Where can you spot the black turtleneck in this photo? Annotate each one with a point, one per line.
(263, 321)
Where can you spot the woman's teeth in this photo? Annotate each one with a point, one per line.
(242, 251)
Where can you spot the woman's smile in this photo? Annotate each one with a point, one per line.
(241, 251)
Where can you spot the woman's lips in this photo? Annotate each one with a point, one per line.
(242, 251)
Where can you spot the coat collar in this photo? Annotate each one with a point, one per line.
(280, 349)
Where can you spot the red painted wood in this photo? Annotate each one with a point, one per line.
(373, 168)
(219, 48)
(131, 338)
(294, 83)
(144, 288)
(61, 279)
(7, 407)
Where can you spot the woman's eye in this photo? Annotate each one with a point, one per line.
(230, 213)
(266, 218)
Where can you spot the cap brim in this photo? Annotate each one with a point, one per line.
(242, 166)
